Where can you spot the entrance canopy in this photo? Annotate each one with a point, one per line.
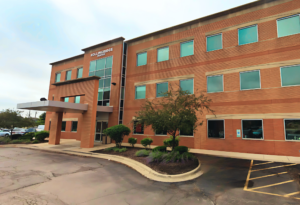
(54, 106)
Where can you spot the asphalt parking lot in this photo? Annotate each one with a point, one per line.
(38, 177)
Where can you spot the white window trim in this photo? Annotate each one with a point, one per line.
(214, 76)
(163, 48)
(193, 85)
(137, 59)
(184, 43)
(212, 36)
(214, 137)
(262, 122)
(135, 92)
(281, 75)
(245, 28)
(285, 130)
(156, 89)
(283, 19)
(251, 88)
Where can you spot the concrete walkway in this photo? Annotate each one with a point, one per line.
(73, 145)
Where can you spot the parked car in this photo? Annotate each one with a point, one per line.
(20, 131)
(32, 129)
(4, 133)
(40, 128)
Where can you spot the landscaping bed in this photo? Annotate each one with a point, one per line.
(171, 168)
(28, 138)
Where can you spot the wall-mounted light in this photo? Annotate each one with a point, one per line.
(114, 83)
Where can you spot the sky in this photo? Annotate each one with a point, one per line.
(34, 33)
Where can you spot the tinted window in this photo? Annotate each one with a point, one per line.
(215, 129)
(187, 48)
(292, 129)
(290, 75)
(138, 128)
(161, 88)
(187, 85)
(77, 99)
(250, 80)
(215, 84)
(214, 42)
(248, 35)
(288, 26)
(252, 129)
(74, 126)
(140, 92)
(68, 75)
(141, 59)
(79, 72)
(162, 54)
(57, 77)
(63, 126)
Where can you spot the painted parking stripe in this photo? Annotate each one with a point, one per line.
(248, 176)
(260, 187)
(268, 175)
(291, 194)
(273, 167)
(260, 192)
(263, 163)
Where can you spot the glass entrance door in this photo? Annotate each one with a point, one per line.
(100, 126)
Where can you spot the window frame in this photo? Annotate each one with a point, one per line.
(75, 99)
(159, 134)
(284, 130)
(72, 126)
(281, 75)
(157, 53)
(135, 92)
(249, 72)
(212, 36)
(214, 76)
(245, 28)
(286, 17)
(137, 59)
(67, 75)
(183, 43)
(262, 123)
(56, 77)
(223, 126)
(78, 72)
(193, 84)
(186, 135)
(133, 132)
(156, 89)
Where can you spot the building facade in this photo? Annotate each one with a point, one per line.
(246, 59)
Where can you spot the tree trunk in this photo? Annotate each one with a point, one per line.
(173, 144)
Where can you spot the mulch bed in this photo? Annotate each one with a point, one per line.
(163, 168)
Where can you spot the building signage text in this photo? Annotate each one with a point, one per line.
(102, 53)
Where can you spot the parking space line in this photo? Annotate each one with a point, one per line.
(248, 176)
(268, 175)
(260, 187)
(298, 192)
(263, 163)
(273, 167)
(260, 192)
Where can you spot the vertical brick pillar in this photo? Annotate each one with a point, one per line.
(55, 129)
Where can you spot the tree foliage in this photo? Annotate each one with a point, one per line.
(176, 111)
(41, 120)
(13, 118)
(117, 133)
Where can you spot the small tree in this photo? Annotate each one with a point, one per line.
(146, 141)
(132, 141)
(117, 133)
(174, 112)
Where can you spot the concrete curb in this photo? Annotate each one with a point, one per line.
(137, 166)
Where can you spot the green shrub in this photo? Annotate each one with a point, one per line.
(167, 157)
(35, 141)
(109, 149)
(4, 140)
(146, 141)
(160, 148)
(15, 137)
(181, 149)
(117, 133)
(169, 142)
(124, 149)
(155, 156)
(40, 136)
(142, 153)
(132, 141)
(28, 136)
(20, 142)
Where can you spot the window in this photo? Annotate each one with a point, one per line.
(187, 132)
(248, 35)
(252, 129)
(160, 132)
(68, 75)
(187, 48)
(79, 72)
(161, 88)
(140, 92)
(74, 126)
(141, 59)
(77, 99)
(138, 128)
(290, 75)
(163, 54)
(215, 83)
(57, 77)
(187, 85)
(66, 99)
(63, 126)
(215, 129)
(288, 25)
(250, 80)
(292, 129)
(102, 68)
(214, 42)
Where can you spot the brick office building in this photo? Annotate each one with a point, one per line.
(246, 59)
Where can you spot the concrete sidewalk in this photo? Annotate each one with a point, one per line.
(73, 145)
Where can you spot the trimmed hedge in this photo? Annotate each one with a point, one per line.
(181, 149)
(27, 136)
(169, 142)
(160, 149)
(146, 141)
(40, 136)
(132, 141)
(15, 137)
